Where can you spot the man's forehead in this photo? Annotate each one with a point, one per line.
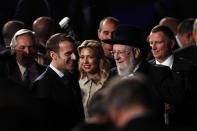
(120, 46)
(27, 39)
(66, 44)
(26, 35)
(108, 25)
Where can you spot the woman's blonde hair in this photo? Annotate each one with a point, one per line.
(104, 64)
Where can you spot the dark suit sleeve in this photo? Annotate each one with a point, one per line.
(41, 89)
(59, 102)
(170, 85)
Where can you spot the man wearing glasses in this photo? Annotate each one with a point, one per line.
(129, 52)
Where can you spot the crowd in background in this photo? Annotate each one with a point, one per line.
(74, 65)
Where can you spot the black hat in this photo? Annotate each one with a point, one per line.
(127, 35)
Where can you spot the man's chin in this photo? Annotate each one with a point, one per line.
(120, 71)
(120, 67)
(70, 68)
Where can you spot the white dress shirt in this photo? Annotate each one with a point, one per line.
(60, 74)
(168, 62)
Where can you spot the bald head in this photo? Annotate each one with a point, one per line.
(44, 27)
(9, 29)
(171, 23)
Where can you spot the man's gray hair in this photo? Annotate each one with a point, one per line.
(195, 26)
(23, 32)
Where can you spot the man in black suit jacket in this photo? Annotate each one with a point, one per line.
(189, 52)
(162, 41)
(21, 58)
(56, 88)
(129, 53)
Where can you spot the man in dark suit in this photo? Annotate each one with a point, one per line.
(189, 52)
(19, 62)
(162, 41)
(129, 52)
(57, 89)
(184, 35)
(131, 111)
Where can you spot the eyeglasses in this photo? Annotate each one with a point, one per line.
(120, 52)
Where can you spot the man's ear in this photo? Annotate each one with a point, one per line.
(136, 52)
(190, 37)
(194, 34)
(172, 44)
(99, 33)
(53, 55)
(114, 113)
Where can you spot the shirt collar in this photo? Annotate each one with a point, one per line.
(22, 68)
(179, 42)
(85, 80)
(168, 62)
(136, 67)
(60, 74)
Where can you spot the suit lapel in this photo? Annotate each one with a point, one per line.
(40, 68)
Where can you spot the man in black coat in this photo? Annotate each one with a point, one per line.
(162, 42)
(20, 60)
(189, 52)
(57, 89)
(129, 52)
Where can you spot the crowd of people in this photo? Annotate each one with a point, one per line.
(123, 80)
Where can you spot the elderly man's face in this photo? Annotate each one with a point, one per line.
(25, 50)
(123, 56)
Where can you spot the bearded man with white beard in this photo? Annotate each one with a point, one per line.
(129, 52)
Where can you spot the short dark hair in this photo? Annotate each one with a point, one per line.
(53, 42)
(123, 93)
(96, 106)
(186, 26)
(166, 31)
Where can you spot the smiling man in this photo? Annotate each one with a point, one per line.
(129, 51)
(57, 88)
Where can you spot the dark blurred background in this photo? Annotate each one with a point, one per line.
(86, 14)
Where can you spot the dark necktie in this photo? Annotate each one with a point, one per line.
(27, 77)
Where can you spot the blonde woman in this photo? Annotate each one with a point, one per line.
(94, 69)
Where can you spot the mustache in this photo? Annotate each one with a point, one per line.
(119, 60)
